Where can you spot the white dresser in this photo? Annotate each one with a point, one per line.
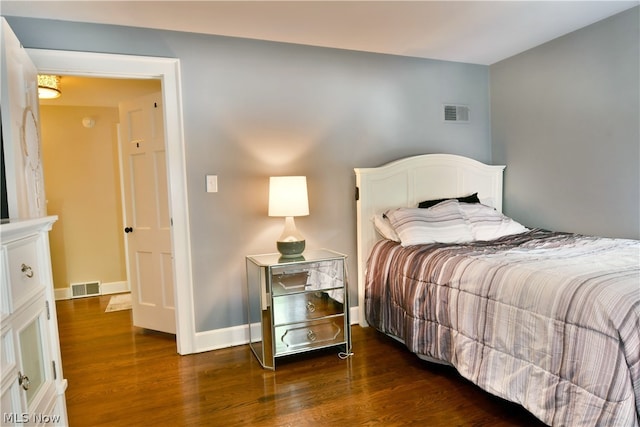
(33, 387)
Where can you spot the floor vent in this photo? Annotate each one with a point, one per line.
(88, 289)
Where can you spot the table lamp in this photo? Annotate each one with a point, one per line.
(288, 198)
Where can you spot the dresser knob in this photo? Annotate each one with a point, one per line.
(23, 381)
(26, 270)
(311, 307)
(311, 335)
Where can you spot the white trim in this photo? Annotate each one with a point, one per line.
(114, 288)
(168, 70)
(354, 316)
(61, 293)
(221, 338)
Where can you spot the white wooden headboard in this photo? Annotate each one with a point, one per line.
(405, 183)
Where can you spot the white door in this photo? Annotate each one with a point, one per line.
(147, 219)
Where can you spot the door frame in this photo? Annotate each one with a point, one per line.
(91, 64)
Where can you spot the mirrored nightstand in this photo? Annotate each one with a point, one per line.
(297, 305)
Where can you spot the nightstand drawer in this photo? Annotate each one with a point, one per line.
(285, 282)
(307, 306)
(319, 333)
(288, 279)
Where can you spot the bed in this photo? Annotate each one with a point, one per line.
(546, 319)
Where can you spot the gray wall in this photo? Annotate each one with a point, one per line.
(254, 109)
(565, 122)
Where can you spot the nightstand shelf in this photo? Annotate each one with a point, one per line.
(297, 305)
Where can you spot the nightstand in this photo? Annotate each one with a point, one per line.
(297, 304)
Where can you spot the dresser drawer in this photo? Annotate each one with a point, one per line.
(306, 306)
(307, 276)
(24, 269)
(315, 334)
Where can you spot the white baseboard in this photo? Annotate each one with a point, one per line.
(238, 335)
(62, 293)
(114, 288)
(354, 317)
(105, 289)
(221, 338)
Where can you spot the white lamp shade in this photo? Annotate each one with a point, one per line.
(288, 196)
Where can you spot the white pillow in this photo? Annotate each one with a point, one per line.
(442, 223)
(486, 223)
(384, 228)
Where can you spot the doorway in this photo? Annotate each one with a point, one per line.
(82, 183)
(167, 70)
(85, 185)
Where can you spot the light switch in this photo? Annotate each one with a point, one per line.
(212, 183)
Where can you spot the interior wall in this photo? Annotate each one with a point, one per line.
(254, 109)
(82, 185)
(565, 121)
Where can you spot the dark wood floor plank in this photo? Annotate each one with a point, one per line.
(120, 375)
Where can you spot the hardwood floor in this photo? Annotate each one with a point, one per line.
(120, 375)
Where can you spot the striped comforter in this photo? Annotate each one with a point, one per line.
(548, 320)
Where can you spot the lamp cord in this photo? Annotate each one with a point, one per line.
(345, 355)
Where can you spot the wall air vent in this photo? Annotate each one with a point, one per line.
(455, 113)
(88, 289)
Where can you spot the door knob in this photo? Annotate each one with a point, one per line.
(128, 229)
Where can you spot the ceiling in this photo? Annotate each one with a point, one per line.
(479, 32)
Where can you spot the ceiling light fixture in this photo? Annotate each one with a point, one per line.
(48, 86)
